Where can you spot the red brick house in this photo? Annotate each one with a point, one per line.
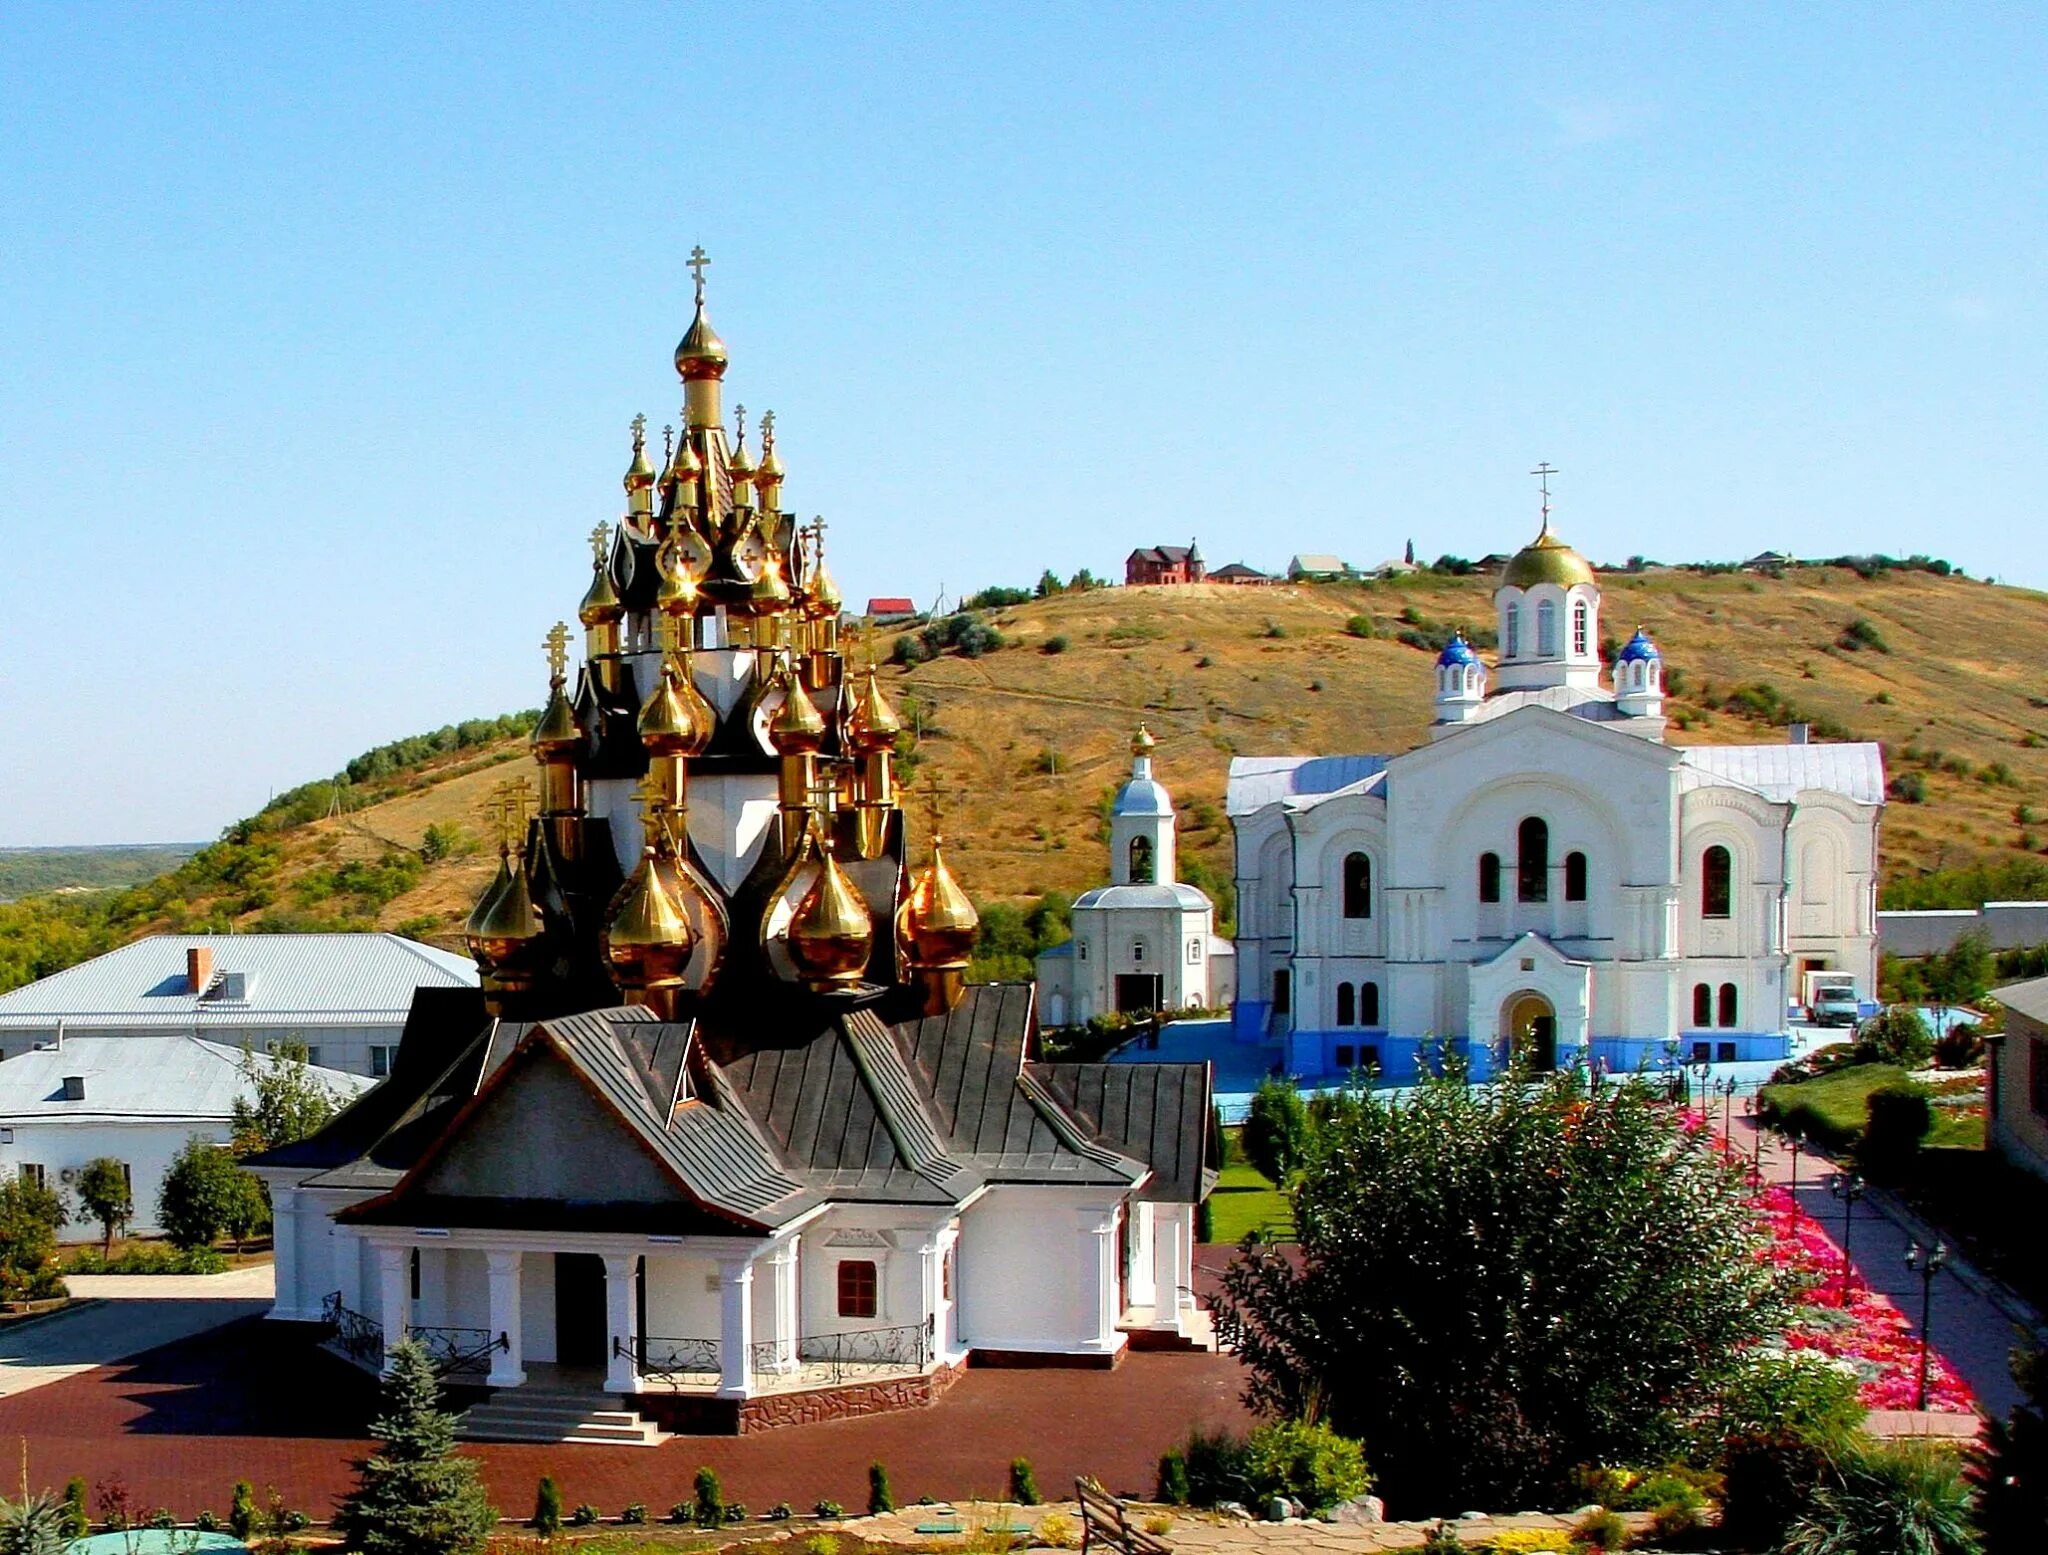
(1165, 564)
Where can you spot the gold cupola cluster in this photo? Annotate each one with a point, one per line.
(717, 798)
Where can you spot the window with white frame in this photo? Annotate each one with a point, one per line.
(1194, 952)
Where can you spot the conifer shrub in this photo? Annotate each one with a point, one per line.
(828, 1509)
(880, 1499)
(735, 1511)
(682, 1512)
(1023, 1483)
(709, 1508)
(207, 1520)
(1172, 1487)
(414, 1495)
(76, 1523)
(633, 1513)
(547, 1508)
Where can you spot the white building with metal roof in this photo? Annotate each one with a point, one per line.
(344, 996)
(136, 1098)
(1547, 874)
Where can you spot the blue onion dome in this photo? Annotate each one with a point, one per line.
(1456, 651)
(1638, 647)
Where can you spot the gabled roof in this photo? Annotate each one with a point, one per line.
(173, 1077)
(892, 605)
(2030, 998)
(1165, 555)
(1257, 781)
(1317, 561)
(1235, 570)
(293, 980)
(1783, 772)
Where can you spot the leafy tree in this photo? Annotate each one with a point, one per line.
(287, 1103)
(1275, 1133)
(2009, 1469)
(1497, 1282)
(205, 1194)
(1896, 1035)
(34, 1525)
(414, 1496)
(104, 1194)
(29, 1217)
(1048, 585)
(1962, 973)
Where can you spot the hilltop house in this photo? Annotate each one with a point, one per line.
(344, 996)
(1165, 564)
(1318, 567)
(1238, 573)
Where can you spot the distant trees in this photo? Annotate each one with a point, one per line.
(286, 1102)
(104, 1193)
(30, 1214)
(206, 1196)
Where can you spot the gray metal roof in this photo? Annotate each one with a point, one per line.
(1156, 1113)
(1783, 772)
(1257, 781)
(1183, 897)
(293, 980)
(175, 1077)
(1588, 702)
(2029, 998)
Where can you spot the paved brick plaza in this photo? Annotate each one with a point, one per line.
(179, 1425)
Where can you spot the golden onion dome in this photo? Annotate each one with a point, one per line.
(741, 464)
(600, 605)
(503, 921)
(873, 724)
(1547, 559)
(668, 723)
(647, 938)
(831, 934)
(1142, 743)
(768, 590)
(824, 593)
(700, 353)
(937, 923)
(771, 472)
(677, 595)
(556, 735)
(797, 728)
(640, 473)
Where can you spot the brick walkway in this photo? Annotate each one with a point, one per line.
(249, 1401)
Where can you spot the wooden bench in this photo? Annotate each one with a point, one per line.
(1106, 1520)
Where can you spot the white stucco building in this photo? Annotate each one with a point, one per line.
(1548, 872)
(343, 996)
(1147, 940)
(136, 1099)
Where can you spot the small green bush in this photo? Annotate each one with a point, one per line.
(1215, 1466)
(1909, 788)
(1023, 1484)
(880, 1498)
(735, 1511)
(242, 1510)
(1895, 1035)
(207, 1520)
(1361, 626)
(1602, 1530)
(76, 1523)
(1959, 1047)
(633, 1513)
(161, 1519)
(1901, 1117)
(1443, 1540)
(709, 1509)
(1309, 1463)
(547, 1508)
(1056, 644)
(682, 1512)
(1771, 1478)
(828, 1509)
(1172, 1488)
(584, 1515)
(1907, 1497)
(780, 1512)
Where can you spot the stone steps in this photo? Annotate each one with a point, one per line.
(526, 1415)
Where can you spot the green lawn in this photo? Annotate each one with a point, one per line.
(1245, 1202)
(1835, 1101)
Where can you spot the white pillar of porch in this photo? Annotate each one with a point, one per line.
(937, 1305)
(736, 1326)
(621, 1375)
(782, 1274)
(289, 1303)
(1184, 1284)
(1098, 1258)
(1168, 1229)
(508, 1366)
(394, 1290)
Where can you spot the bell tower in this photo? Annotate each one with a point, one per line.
(1141, 823)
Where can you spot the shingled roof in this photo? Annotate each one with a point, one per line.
(818, 1102)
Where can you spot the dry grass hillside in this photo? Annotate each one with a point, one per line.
(1026, 743)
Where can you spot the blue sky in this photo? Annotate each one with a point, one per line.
(323, 325)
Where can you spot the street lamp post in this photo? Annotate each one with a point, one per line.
(1847, 1188)
(1727, 1089)
(1756, 1140)
(1701, 1069)
(1926, 1264)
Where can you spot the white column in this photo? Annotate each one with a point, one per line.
(782, 1271)
(290, 1303)
(621, 1375)
(1098, 1261)
(394, 1289)
(508, 1366)
(1167, 1224)
(735, 1326)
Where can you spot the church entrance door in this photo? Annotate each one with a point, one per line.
(580, 1319)
(1530, 1025)
(1138, 993)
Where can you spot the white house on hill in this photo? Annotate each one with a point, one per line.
(344, 996)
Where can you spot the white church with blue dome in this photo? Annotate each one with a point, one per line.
(1547, 875)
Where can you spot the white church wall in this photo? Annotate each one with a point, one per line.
(1030, 1267)
(683, 1296)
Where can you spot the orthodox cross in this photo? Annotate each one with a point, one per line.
(668, 631)
(639, 425)
(818, 533)
(653, 799)
(600, 538)
(557, 645)
(739, 418)
(1543, 472)
(698, 260)
(767, 433)
(668, 446)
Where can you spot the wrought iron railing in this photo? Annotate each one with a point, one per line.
(865, 1352)
(680, 1363)
(358, 1337)
(459, 1352)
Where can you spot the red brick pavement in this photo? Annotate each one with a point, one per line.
(179, 1425)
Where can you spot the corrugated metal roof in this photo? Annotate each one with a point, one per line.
(2029, 998)
(1257, 781)
(1783, 772)
(1178, 896)
(174, 1076)
(1587, 702)
(293, 980)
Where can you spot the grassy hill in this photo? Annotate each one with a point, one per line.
(1026, 743)
(31, 871)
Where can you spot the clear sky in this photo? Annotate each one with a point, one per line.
(320, 327)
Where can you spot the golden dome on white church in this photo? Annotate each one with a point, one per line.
(1547, 559)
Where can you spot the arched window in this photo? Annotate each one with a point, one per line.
(1717, 886)
(1546, 629)
(1194, 952)
(1514, 631)
(1532, 868)
(1283, 992)
(1080, 950)
(1727, 1010)
(1702, 1005)
(1357, 886)
(1368, 1004)
(1575, 877)
(1138, 950)
(1141, 861)
(1489, 877)
(1347, 1005)
(1582, 629)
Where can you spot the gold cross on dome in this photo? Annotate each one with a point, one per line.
(518, 804)
(600, 540)
(767, 432)
(639, 425)
(668, 632)
(698, 260)
(739, 418)
(668, 446)
(651, 798)
(1543, 472)
(557, 645)
(818, 532)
